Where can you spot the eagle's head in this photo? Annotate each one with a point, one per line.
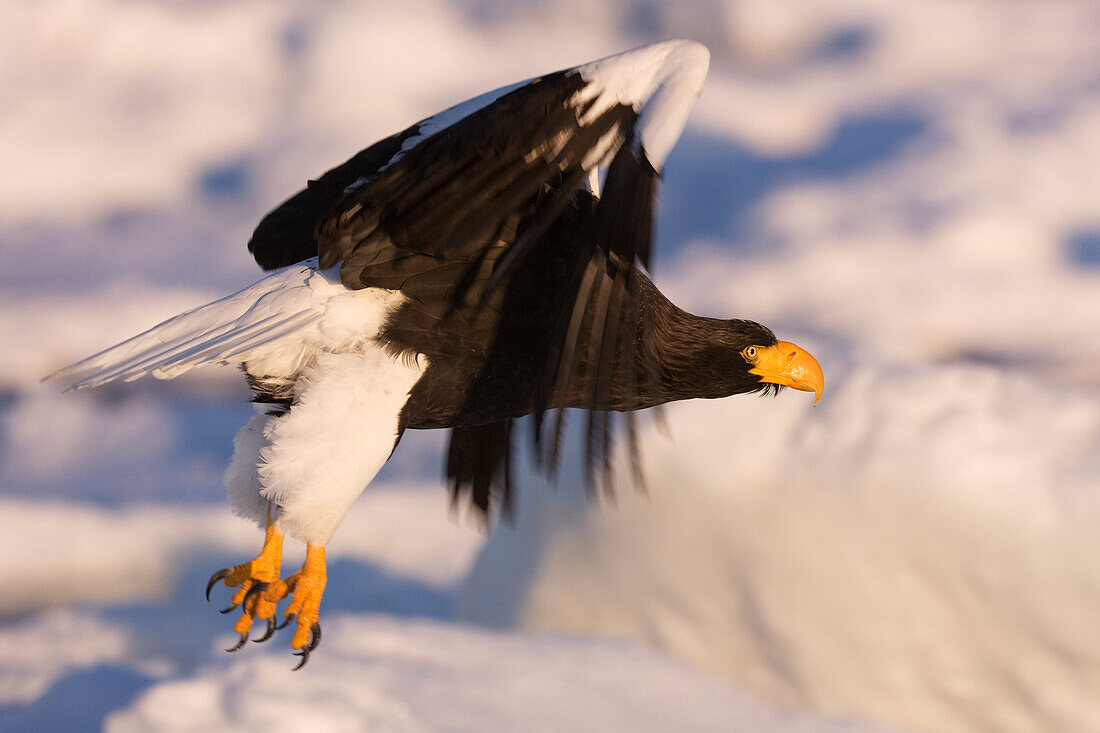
(781, 363)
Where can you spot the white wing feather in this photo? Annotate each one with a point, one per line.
(224, 331)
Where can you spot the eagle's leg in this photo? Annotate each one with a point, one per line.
(306, 586)
(250, 579)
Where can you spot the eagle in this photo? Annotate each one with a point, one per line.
(484, 264)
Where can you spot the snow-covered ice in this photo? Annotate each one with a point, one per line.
(415, 675)
(907, 189)
(918, 544)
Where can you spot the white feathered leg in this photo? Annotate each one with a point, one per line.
(242, 480)
(339, 432)
(318, 457)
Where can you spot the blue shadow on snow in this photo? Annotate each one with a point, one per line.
(713, 183)
(185, 629)
(1083, 248)
(80, 700)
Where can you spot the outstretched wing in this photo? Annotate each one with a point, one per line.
(225, 331)
(453, 207)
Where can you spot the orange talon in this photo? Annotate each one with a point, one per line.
(308, 585)
(260, 590)
(260, 571)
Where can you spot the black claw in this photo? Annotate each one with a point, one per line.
(220, 575)
(239, 644)
(255, 589)
(314, 636)
(314, 640)
(269, 632)
(227, 610)
(285, 621)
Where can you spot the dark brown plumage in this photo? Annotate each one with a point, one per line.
(525, 291)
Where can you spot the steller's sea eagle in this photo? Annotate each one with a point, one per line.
(460, 274)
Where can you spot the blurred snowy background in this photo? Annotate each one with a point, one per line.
(909, 190)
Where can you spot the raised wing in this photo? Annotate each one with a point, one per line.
(447, 184)
(453, 187)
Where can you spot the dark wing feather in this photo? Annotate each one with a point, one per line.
(454, 192)
(565, 334)
(597, 343)
(478, 464)
(287, 235)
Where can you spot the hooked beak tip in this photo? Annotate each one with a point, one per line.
(791, 366)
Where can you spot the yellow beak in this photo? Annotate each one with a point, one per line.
(790, 366)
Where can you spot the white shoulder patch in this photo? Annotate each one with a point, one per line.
(661, 81)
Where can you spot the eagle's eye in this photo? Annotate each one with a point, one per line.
(749, 353)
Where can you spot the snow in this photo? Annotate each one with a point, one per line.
(905, 189)
(934, 530)
(45, 648)
(72, 552)
(403, 675)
